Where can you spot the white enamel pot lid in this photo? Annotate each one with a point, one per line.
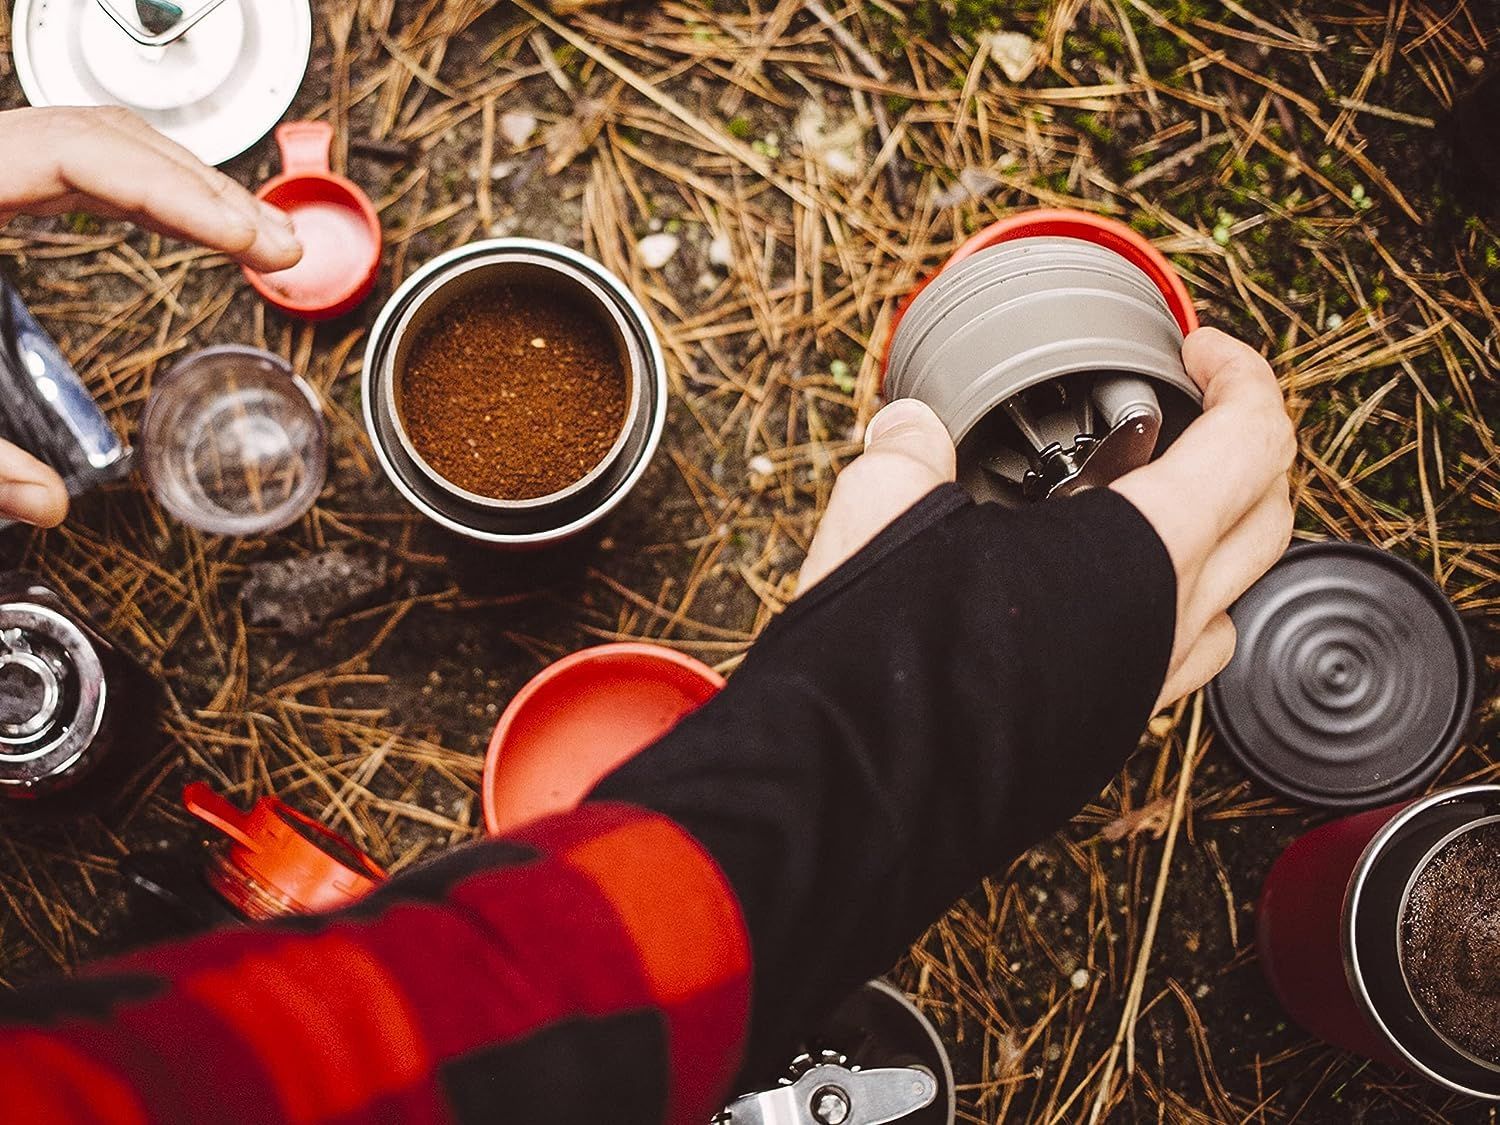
(216, 90)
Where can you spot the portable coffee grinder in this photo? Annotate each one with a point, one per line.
(1050, 345)
(76, 714)
(877, 1060)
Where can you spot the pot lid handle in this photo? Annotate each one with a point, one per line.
(213, 809)
(304, 146)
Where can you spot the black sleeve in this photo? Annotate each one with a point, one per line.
(947, 698)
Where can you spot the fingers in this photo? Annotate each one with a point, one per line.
(29, 490)
(1207, 657)
(274, 246)
(907, 454)
(1225, 460)
(109, 160)
(1237, 562)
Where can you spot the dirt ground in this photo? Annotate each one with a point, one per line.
(811, 164)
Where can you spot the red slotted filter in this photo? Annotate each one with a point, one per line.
(277, 861)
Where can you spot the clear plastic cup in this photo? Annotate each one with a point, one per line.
(233, 442)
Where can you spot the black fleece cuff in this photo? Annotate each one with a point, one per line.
(946, 698)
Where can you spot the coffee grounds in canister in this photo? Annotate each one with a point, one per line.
(1450, 942)
(514, 393)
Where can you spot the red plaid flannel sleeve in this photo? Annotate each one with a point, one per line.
(593, 968)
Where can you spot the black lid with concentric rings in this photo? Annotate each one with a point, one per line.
(1352, 681)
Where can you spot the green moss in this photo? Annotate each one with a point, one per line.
(740, 127)
(1091, 125)
(79, 222)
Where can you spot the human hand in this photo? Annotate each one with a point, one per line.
(1219, 500)
(30, 491)
(107, 161)
(907, 454)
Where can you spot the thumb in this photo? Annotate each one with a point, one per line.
(909, 428)
(907, 454)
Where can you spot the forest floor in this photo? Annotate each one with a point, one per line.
(812, 163)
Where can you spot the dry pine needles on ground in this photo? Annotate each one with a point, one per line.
(771, 179)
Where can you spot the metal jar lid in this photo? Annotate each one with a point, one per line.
(458, 272)
(1352, 680)
(53, 694)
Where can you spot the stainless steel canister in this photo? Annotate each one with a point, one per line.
(548, 267)
(1330, 933)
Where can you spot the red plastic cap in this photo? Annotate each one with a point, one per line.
(335, 222)
(580, 718)
(279, 861)
(1064, 222)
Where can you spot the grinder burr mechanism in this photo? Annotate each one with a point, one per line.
(48, 411)
(1093, 431)
(1050, 346)
(877, 1060)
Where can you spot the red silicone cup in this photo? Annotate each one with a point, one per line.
(335, 222)
(1299, 932)
(1067, 223)
(578, 719)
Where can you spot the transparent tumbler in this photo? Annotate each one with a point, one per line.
(233, 441)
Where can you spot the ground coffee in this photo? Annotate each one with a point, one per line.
(1450, 941)
(514, 393)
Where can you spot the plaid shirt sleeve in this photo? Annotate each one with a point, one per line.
(823, 809)
(594, 967)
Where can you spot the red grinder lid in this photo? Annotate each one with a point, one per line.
(279, 861)
(578, 719)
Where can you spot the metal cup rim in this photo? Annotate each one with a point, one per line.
(1353, 967)
(423, 296)
(653, 385)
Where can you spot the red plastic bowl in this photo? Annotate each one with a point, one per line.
(578, 719)
(335, 222)
(1067, 223)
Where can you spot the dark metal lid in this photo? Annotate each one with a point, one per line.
(1352, 681)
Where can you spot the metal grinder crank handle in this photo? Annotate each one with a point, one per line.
(46, 409)
(835, 1095)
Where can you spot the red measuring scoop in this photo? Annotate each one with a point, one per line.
(578, 719)
(1065, 222)
(278, 861)
(333, 219)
